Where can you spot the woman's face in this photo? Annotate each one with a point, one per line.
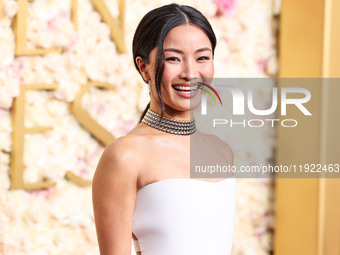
(188, 55)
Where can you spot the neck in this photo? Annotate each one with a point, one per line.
(174, 114)
(168, 124)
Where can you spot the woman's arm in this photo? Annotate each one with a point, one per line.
(114, 190)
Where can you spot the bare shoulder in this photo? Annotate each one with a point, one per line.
(120, 162)
(124, 149)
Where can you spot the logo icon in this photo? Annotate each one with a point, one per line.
(200, 87)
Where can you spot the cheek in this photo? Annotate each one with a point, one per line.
(207, 71)
(168, 75)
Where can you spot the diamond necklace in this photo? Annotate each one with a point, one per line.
(177, 127)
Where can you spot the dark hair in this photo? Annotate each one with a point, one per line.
(152, 31)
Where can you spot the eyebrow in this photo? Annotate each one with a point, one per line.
(180, 51)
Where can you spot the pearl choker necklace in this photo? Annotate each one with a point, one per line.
(172, 126)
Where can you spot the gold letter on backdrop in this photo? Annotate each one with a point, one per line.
(18, 136)
(84, 118)
(117, 28)
(19, 130)
(74, 14)
(20, 31)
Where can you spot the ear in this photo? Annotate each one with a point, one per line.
(143, 68)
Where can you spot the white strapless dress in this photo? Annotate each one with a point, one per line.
(185, 216)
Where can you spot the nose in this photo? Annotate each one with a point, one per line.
(189, 71)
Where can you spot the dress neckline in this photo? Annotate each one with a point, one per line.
(183, 180)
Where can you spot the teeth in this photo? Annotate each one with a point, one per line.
(185, 88)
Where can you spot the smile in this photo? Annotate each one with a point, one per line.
(185, 89)
(186, 92)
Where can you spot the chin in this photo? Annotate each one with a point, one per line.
(182, 104)
(187, 106)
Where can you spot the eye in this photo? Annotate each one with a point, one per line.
(204, 58)
(172, 59)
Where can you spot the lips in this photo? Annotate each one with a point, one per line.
(186, 91)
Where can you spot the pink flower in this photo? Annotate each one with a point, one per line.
(261, 65)
(102, 107)
(225, 7)
(46, 193)
(129, 125)
(2, 113)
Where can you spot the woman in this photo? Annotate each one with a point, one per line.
(142, 187)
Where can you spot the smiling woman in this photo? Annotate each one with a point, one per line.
(142, 187)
